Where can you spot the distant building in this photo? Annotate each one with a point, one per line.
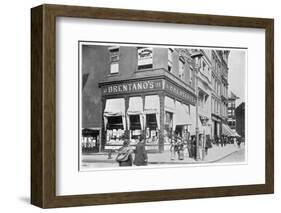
(240, 119)
(219, 82)
(231, 120)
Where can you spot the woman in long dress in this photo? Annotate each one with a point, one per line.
(125, 154)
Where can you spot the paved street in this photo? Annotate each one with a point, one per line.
(238, 156)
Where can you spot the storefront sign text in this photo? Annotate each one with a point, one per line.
(139, 86)
(180, 93)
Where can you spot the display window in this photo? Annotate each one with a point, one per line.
(152, 130)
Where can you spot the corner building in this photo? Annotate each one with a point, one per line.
(128, 91)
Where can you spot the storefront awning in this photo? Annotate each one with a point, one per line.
(114, 107)
(170, 105)
(152, 104)
(135, 106)
(226, 130)
(235, 134)
(182, 116)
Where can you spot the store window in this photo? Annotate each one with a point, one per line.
(91, 140)
(114, 121)
(152, 131)
(135, 117)
(115, 130)
(135, 122)
(114, 60)
(135, 127)
(145, 58)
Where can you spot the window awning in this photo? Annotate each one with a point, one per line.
(182, 116)
(226, 130)
(152, 104)
(114, 107)
(235, 134)
(170, 104)
(135, 106)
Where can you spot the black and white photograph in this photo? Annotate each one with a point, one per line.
(144, 105)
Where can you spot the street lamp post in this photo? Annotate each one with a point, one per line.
(197, 56)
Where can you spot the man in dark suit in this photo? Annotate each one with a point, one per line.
(140, 153)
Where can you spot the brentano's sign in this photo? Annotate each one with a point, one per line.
(140, 86)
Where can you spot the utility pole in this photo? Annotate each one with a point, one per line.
(197, 56)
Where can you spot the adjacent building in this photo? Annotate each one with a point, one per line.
(231, 111)
(204, 92)
(219, 82)
(240, 119)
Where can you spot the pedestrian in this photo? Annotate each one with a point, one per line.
(220, 142)
(238, 142)
(208, 144)
(140, 153)
(189, 147)
(193, 147)
(172, 147)
(125, 154)
(200, 147)
(179, 148)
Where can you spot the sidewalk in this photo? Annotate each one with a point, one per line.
(214, 154)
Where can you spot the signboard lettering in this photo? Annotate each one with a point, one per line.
(149, 85)
(139, 86)
(180, 93)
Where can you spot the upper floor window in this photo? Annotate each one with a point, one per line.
(204, 66)
(114, 60)
(145, 58)
(181, 68)
(170, 59)
(190, 73)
